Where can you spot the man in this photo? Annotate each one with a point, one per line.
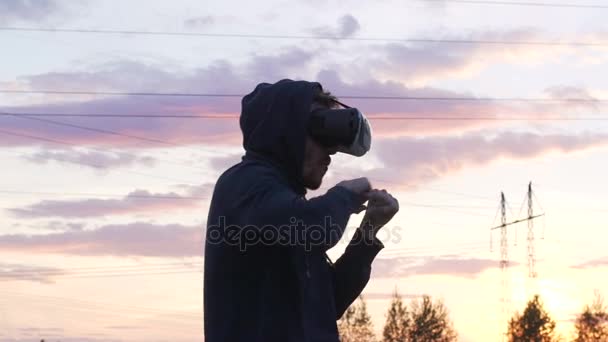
(267, 277)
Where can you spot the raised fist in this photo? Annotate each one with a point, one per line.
(381, 207)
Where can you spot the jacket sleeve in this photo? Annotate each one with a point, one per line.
(294, 218)
(352, 270)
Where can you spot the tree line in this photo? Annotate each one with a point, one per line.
(427, 320)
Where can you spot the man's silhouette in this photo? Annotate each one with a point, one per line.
(267, 277)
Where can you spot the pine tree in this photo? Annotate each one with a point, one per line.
(430, 322)
(364, 329)
(534, 325)
(397, 321)
(592, 324)
(356, 324)
(346, 324)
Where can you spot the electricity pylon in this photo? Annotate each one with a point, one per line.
(504, 249)
(531, 255)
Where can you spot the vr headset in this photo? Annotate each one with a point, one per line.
(346, 129)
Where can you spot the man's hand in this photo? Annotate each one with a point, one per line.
(360, 186)
(381, 208)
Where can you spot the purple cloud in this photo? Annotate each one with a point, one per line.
(347, 27)
(12, 272)
(218, 78)
(26, 10)
(422, 160)
(601, 262)
(412, 266)
(96, 160)
(430, 60)
(199, 22)
(135, 239)
(64, 226)
(137, 201)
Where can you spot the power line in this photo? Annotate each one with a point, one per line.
(446, 207)
(92, 129)
(371, 117)
(109, 132)
(97, 166)
(311, 37)
(519, 3)
(350, 97)
(184, 197)
(103, 131)
(90, 194)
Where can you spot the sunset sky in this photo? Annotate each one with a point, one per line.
(101, 219)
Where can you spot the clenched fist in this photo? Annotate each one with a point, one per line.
(381, 207)
(360, 186)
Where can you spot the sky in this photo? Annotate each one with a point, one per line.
(102, 218)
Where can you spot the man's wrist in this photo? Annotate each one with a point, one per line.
(368, 232)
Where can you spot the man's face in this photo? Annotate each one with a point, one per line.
(316, 162)
(316, 158)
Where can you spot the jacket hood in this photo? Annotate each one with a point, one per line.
(274, 119)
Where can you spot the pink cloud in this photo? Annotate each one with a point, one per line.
(138, 201)
(422, 160)
(222, 77)
(420, 266)
(10, 272)
(426, 61)
(135, 239)
(601, 262)
(96, 160)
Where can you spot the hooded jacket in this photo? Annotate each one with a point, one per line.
(263, 282)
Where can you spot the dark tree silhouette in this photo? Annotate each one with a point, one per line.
(534, 325)
(592, 324)
(397, 321)
(356, 324)
(430, 322)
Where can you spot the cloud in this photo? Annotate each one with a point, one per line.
(572, 92)
(422, 160)
(11, 272)
(223, 77)
(199, 22)
(62, 338)
(223, 163)
(135, 239)
(474, 111)
(26, 10)
(138, 201)
(96, 160)
(422, 62)
(64, 226)
(347, 27)
(601, 262)
(410, 266)
(220, 77)
(123, 327)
